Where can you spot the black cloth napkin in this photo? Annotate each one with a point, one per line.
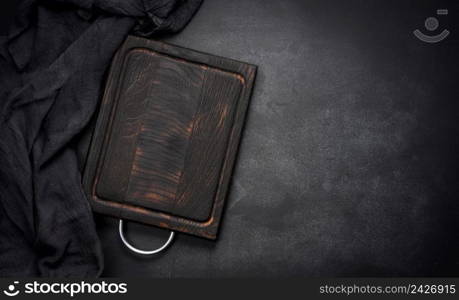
(52, 68)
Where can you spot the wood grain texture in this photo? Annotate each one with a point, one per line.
(167, 136)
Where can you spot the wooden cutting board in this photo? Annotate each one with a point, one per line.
(167, 135)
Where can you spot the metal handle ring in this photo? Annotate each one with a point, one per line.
(144, 252)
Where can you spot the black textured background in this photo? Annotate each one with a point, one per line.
(7, 8)
(348, 165)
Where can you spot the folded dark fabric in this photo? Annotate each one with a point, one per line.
(52, 67)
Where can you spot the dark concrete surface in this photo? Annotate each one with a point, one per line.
(348, 165)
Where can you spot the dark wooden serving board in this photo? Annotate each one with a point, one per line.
(167, 135)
